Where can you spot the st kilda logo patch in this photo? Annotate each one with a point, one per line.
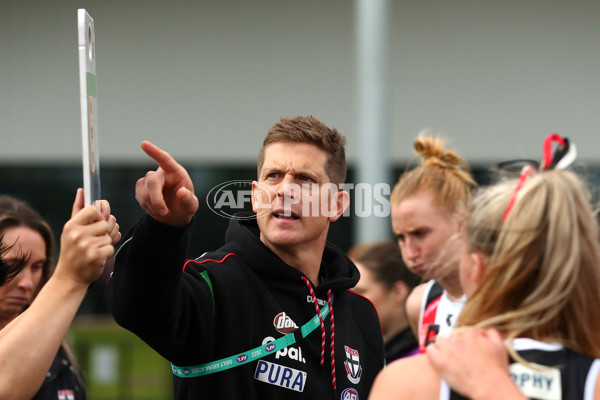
(352, 364)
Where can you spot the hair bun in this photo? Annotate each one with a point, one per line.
(433, 153)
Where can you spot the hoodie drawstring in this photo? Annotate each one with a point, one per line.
(332, 322)
(332, 351)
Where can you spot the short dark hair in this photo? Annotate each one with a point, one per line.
(308, 129)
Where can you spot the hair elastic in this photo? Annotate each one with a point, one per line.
(561, 158)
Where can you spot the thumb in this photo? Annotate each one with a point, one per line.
(78, 204)
(188, 199)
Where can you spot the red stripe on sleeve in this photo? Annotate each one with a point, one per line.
(208, 259)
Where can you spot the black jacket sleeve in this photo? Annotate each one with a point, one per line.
(150, 295)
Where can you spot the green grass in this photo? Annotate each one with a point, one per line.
(117, 364)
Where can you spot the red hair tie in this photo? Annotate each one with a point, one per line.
(561, 158)
(524, 175)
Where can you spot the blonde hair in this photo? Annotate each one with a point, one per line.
(443, 173)
(543, 275)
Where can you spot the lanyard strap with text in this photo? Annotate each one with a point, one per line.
(251, 355)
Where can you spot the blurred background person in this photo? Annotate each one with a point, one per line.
(30, 241)
(428, 206)
(385, 280)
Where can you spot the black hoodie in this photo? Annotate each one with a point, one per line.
(247, 295)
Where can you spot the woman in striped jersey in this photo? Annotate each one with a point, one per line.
(531, 271)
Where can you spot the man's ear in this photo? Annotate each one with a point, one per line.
(255, 197)
(479, 266)
(342, 202)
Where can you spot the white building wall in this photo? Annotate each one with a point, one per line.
(206, 79)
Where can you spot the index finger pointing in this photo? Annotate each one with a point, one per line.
(162, 158)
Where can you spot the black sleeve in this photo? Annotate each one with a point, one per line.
(149, 294)
(369, 326)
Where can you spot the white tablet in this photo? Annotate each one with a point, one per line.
(89, 107)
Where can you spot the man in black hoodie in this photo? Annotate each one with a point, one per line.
(268, 315)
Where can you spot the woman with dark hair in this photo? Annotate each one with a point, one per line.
(385, 280)
(36, 306)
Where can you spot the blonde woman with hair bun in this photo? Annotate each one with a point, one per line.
(428, 207)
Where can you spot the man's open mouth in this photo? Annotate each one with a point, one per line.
(285, 215)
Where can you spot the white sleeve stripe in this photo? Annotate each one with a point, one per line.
(444, 390)
(122, 245)
(592, 378)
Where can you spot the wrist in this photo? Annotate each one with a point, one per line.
(67, 281)
(155, 234)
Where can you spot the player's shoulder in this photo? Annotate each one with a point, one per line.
(357, 299)
(415, 298)
(362, 308)
(410, 378)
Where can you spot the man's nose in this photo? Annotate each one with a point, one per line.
(287, 187)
